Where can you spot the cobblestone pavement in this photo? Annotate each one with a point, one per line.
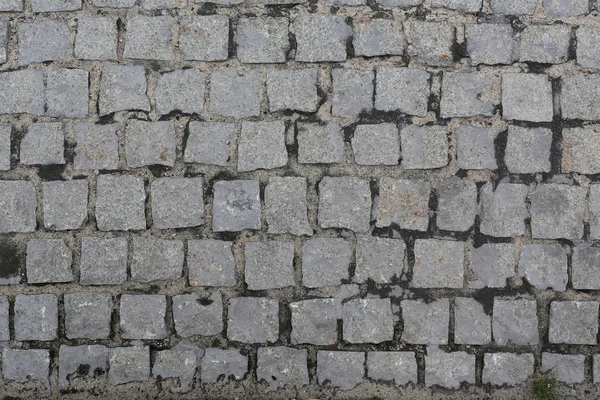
(305, 199)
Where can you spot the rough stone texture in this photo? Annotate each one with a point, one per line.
(377, 144)
(321, 143)
(461, 5)
(128, 364)
(545, 43)
(143, 316)
(122, 87)
(292, 89)
(528, 150)
(65, 204)
(587, 39)
(5, 138)
(67, 93)
(449, 370)
(325, 262)
(425, 323)
(236, 206)
(97, 146)
(253, 320)
(141, 152)
(218, 362)
(209, 143)
(204, 37)
(234, 93)
(87, 315)
(176, 363)
(432, 42)
(177, 202)
(466, 94)
(557, 211)
(503, 209)
(342, 369)
(48, 261)
(379, 259)
(43, 40)
(18, 203)
(585, 267)
(269, 265)
(43, 144)
(515, 321)
(180, 90)
(26, 365)
(475, 147)
(262, 146)
(286, 206)
(402, 89)
(594, 209)
(544, 266)
(566, 368)
(403, 203)
(103, 261)
(120, 203)
(210, 263)
(561, 8)
(397, 366)
(22, 92)
(156, 259)
(262, 40)
(580, 146)
(527, 97)
(72, 357)
(506, 368)
(438, 264)
(471, 324)
(457, 204)
(424, 147)
(368, 321)
(378, 37)
(11, 5)
(4, 319)
(36, 317)
(344, 203)
(491, 265)
(490, 43)
(198, 316)
(282, 367)
(321, 37)
(315, 321)
(352, 92)
(148, 38)
(96, 38)
(579, 97)
(573, 322)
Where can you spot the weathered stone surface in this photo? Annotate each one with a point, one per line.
(503, 209)
(449, 370)
(378, 37)
(491, 265)
(585, 267)
(432, 42)
(397, 366)
(262, 40)
(26, 365)
(43, 40)
(67, 93)
(286, 206)
(234, 93)
(148, 38)
(321, 143)
(176, 363)
(342, 369)
(490, 43)
(36, 317)
(103, 261)
(294, 89)
(156, 259)
(218, 362)
(515, 321)
(177, 202)
(96, 38)
(527, 97)
(209, 143)
(424, 147)
(457, 204)
(128, 364)
(87, 315)
(43, 144)
(149, 143)
(48, 261)
(378, 259)
(545, 43)
(528, 150)
(180, 90)
(253, 320)
(562, 8)
(544, 266)
(194, 315)
(282, 367)
(579, 97)
(573, 322)
(344, 202)
(97, 146)
(71, 358)
(123, 87)
(568, 368)
(120, 203)
(587, 37)
(425, 323)
(377, 144)
(262, 146)
(315, 321)
(471, 324)
(403, 203)
(466, 94)
(580, 147)
(557, 211)
(438, 264)
(143, 316)
(210, 263)
(475, 147)
(506, 368)
(204, 37)
(352, 92)
(22, 92)
(236, 206)
(368, 321)
(402, 89)
(19, 204)
(269, 265)
(321, 37)
(325, 262)
(65, 204)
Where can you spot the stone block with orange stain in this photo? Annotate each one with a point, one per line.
(438, 264)
(404, 203)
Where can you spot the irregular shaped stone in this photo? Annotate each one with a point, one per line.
(352, 92)
(210, 263)
(26, 365)
(150, 143)
(18, 202)
(67, 93)
(128, 364)
(88, 315)
(88, 361)
(195, 315)
(467, 94)
(227, 363)
(438, 264)
(403, 203)
(425, 323)
(580, 147)
(253, 320)
(573, 322)
(544, 266)
(585, 267)
(503, 210)
(11, 5)
(143, 316)
(547, 44)
(562, 8)
(378, 259)
(181, 90)
(378, 37)
(342, 369)
(204, 37)
(122, 87)
(325, 262)
(43, 144)
(282, 367)
(262, 40)
(176, 363)
(587, 37)
(471, 324)
(22, 92)
(490, 44)
(97, 146)
(424, 147)
(48, 261)
(43, 40)
(580, 97)
(568, 368)
(514, 321)
(491, 265)
(432, 42)
(177, 202)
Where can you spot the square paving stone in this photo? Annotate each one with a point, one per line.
(585, 269)
(376, 144)
(471, 324)
(227, 363)
(143, 316)
(397, 366)
(156, 259)
(96, 38)
(573, 322)
(587, 38)
(490, 44)
(5, 150)
(209, 143)
(22, 92)
(11, 5)
(379, 259)
(467, 94)
(527, 97)
(544, 266)
(204, 38)
(262, 40)
(491, 265)
(262, 146)
(368, 321)
(103, 261)
(150, 143)
(378, 37)
(181, 90)
(321, 37)
(438, 264)
(580, 147)
(120, 203)
(88, 315)
(528, 150)
(503, 210)
(403, 203)
(425, 323)
(507, 368)
(177, 202)
(514, 7)
(97, 146)
(282, 367)
(65, 204)
(449, 370)
(292, 89)
(402, 89)
(236, 206)
(18, 203)
(43, 40)
(545, 43)
(457, 204)
(48, 261)
(70, 358)
(235, 94)
(344, 202)
(424, 147)
(515, 321)
(128, 364)
(36, 317)
(315, 321)
(26, 365)
(320, 143)
(149, 38)
(253, 320)
(432, 42)
(342, 369)
(286, 206)
(325, 262)
(475, 147)
(43, 144)
(580, 97)
(195, 315)
(122, 87)
(269, 265)
(557, 211)
(67, 93)
(352, 92)
(178, 364)
(568, 368)
(211, 263)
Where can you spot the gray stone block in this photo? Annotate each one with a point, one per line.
(262, 146)
(432, 42)
(503, 210)
(491, 265)
(48, 261)
(36, 317)
(149, 38)
(400, 3)
(292, 89)
(594, 211)
(376, 144)
(5, 150)
(208, 143)
(490, 44)
(120, 203)
(585, 268)
(527, 97)
(471, 324)
(218, 362)
(402, 89)
(449, 370)
(321, 37)
(88, 315)
(103, 261)
(528, 150)
(573, 322)
(43, 144)
(150, 143)
(467, 94)
(128, 364)
(325, 262)
(514, 7)
(344, 202)
(282, 367)
(547, 44)
(424, 147)
(253, 320)
(97, 146)
(22, 92)
(122, 87)
(177, 202)
(544, 266)
(379, 259)
(397, 366)
(70, 358)
(164, 4)
(403, 203)
(194, 315)
(114, 3)
(580, 97)
(565, 8)
(181, 90)
(4, 318)
(507, 368)
(211, 263)
(96, 38)
(425, 323)
(557, 211)
(18, 203)
(596, 371)
(580, 147)
(438, 264)
(11, 5)
(460, 5)
(352, 92)
(43, 40)
(286, 206)
(176, 363)
(235, 94)
(204, 38)
(156, 259)
(67, 93)
(269, 265)
(262, 40)
(315, 321)
(26, 365)
(568, 368)
(514, 321)
(368, 321)
(378, 37)
(341, 369)
(236, 206)
(457, 204)
(143, 316)
(320, 143)
(4, 25)
(587, 38)
(475, 147)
